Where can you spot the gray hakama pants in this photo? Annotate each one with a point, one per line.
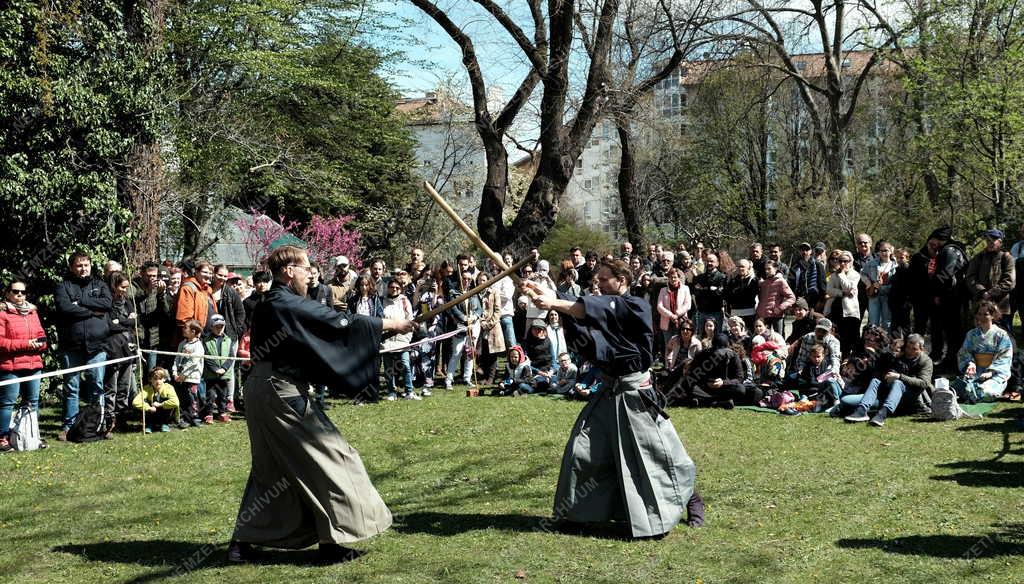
(624, 462)
(307, 485)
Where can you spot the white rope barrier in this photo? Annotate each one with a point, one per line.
(68, 370)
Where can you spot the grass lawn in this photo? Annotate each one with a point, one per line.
(804, 499)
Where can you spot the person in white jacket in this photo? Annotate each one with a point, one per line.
(397, 364)
(673, 305)
(842, 304)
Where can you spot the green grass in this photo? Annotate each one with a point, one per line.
(805, 499)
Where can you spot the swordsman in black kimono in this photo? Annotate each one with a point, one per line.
(624, 461)
(307, 484)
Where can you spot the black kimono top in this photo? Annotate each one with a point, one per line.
(616, 334)
(313, 341)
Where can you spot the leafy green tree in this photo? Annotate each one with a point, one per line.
(77, 93)
(277, 105)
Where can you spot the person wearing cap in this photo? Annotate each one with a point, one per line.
(341, 283)
(231, 307)
(947, 260)
(807, 276)
(991, 275)
(541, 353)
(822, 335)
(804, 321)
(219, 371)
(841, 293)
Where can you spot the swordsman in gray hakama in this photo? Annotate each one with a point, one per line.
(307, 484)
(624, 461)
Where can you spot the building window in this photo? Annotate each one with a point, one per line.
(579, 163)
(588, 184)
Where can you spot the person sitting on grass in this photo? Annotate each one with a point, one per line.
(218, 373)
(717, 378)
(986, 356)
(188, 372)
(867, 361)
(540, 351)
(822, 335)
(518, 372)
(157, 403)
(908, 378)
(818, 378)
(565, 379)
(588, 382)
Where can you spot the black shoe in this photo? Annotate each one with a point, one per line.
(239, 553)
(859, 415)
(879, 419)
(336, 554)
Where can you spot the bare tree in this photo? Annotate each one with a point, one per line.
(830, 84)
(651, 42)
(564, 128)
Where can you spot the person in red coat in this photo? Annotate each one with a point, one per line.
(22, 342)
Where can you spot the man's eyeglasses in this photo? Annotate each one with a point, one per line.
(306, 268)
(17, 292)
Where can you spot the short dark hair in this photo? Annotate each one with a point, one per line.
(262, 277)
(575, 248)
(77, 255)
(146, 266)
(461, 257)
(619, 269)
(592, 255)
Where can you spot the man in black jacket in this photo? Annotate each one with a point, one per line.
(709, 293)
(232, 308)
(807, 277)
(153, 302)
(946, 265)
(82, 307)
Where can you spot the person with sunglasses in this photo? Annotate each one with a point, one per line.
(841, 292)
(22, 342)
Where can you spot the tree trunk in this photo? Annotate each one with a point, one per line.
(540, 208)
(490, 223)
(628, 195)
(142, 184)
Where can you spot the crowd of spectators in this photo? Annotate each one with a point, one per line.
(848, 331)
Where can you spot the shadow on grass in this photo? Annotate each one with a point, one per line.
(985, 473)
(178, 558)
(1008, 541)
(447, 524)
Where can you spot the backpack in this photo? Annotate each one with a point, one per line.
(24, 434)
(944, 404)
(88, 426)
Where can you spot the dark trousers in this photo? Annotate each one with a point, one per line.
(216, 397)
(922, 311)
(739, 393)
(947, 330)
(192, 403)
(849, 334)
(118, 384)
(160, 417)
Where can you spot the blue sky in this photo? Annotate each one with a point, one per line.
(431, 55)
